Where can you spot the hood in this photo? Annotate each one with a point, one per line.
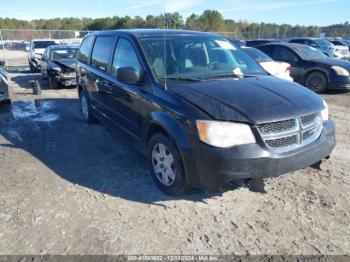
(39, 51)
(70, 63)
(335, 62)
(254, 100)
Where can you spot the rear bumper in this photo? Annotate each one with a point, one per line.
(211, 168)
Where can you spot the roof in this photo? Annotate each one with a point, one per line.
(152, 32)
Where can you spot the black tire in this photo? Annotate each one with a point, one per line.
(317, 82)
(87, 115)
(53, 83)
(179, 185)
(43, 76)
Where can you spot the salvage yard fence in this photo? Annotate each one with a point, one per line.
(14, 42)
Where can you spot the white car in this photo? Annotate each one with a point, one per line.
(279, 69)
(35, 52)
(341, 49)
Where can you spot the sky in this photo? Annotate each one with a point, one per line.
(302, 12)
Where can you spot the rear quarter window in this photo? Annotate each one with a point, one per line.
(85, 49)
(102, 51)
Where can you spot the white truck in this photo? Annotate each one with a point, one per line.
(35, 52)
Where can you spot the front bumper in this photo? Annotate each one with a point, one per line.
(340, 82)
(68, 79)
(211, 168)
(35, 62)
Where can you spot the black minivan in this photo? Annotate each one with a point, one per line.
(203, 112)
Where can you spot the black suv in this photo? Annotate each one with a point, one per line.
(203, 112)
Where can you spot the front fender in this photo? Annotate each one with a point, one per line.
(173, 126)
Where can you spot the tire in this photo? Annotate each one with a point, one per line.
(53, 83)
(86, 108)
(317, 82)
(166, 166)
(43, 76)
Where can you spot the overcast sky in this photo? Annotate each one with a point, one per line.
(304, 12)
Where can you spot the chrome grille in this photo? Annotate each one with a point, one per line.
(276, 126)
(290, 134)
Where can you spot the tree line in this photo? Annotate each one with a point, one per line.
(208, 21)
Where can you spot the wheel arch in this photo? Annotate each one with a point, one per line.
(316, 70)
(160, 122)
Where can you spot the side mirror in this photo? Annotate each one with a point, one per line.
(27, 48)
(314, 45)
(128, 75)
(2, 63)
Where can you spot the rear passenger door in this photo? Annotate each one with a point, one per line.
(122, 99)
(98, 71)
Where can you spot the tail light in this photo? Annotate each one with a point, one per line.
(288, 69)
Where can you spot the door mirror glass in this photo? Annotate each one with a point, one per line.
(128, 75)
(2, 63)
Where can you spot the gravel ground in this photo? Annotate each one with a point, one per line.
(71, 188)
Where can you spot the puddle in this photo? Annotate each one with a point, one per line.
(36, 110)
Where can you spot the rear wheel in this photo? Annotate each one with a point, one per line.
(317, 82)
(86, 108)
(166, 166)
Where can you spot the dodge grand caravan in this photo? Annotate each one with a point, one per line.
(203, 112)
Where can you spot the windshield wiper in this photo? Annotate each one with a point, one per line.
(182, 78)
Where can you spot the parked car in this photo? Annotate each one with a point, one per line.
(278, 69)
(310, 67)
(323, 45)
(257, 42)
(202, 110)
(35, 52)
(237, 42)
(4, 92)
(58, 65)
(341, 49)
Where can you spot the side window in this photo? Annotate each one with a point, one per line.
(85, 48)
(267, 50)
(125, 56)
(102, 50)
(284, 54)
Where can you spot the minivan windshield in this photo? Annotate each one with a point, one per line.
(197, 58)
(309, 53)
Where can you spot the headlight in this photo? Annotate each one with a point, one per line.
(224, 134)
(340, 71)
(324, 112)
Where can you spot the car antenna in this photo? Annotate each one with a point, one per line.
(164, 48)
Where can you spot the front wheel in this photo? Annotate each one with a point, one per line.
(53, 83)
(317, 82)
(166, 166)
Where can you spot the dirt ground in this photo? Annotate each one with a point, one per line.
(67, 187)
